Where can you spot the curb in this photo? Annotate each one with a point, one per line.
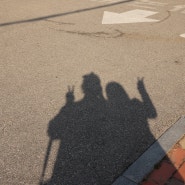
(154, 154)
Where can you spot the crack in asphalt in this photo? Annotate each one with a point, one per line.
(167, 17)
(59, 23)
(115, 34)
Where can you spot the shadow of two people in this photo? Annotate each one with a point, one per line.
(99, 137)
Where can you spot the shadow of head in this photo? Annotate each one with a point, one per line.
(91, 85)
(115, 92)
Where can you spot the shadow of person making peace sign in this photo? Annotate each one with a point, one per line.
(99, 137)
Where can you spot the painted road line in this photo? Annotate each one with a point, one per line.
(178, 8)
(107, 1)
(147, 4)
(110, 1)
(183, 35)
(153, 2)
(133, 16)
(146, 162)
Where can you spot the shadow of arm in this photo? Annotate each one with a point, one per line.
(148, 106)
(54, 127)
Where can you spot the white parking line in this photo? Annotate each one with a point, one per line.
(183, 35)
(147, 4)
(177, 8)
(107, 1)
(152, 3)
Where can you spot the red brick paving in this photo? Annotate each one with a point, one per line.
(175, 182)
(180, 175)
(177, 156)
(162, 174)
(171, 170)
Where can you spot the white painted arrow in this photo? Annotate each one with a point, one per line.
(133, 16)
(183, 35)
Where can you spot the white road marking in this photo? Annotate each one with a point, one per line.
(107, 1)
(111, 1)
(147, 4)
(133, 16)
(140, 2)
(177, 8)
(152, 3)
(183, 35)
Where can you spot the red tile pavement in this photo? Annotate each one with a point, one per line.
(162, 174)
(175, 182)
(171, 170)
(180, 174)
(177, 156)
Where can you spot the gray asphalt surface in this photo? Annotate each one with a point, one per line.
(46, 46)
